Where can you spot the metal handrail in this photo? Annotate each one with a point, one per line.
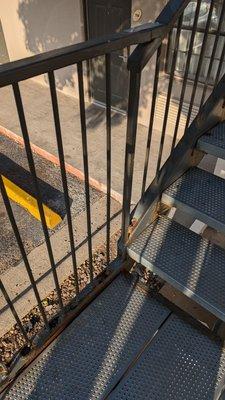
(181, 159)
(137, 61)
(42, 63)
(148, 39)
(52, 60)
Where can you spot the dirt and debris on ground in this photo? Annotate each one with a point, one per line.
(148, 278)
(13, 340)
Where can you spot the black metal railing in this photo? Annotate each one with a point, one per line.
(149, 39)
(187, 91)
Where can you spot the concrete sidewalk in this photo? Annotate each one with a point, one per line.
(38, 111)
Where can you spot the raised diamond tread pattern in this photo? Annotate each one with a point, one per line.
(91, 355)
(201, 194)
(180, 364)
(192, 264)
(214, 141)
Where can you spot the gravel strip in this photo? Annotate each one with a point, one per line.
(12, 342)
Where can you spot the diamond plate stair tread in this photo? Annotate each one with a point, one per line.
(180, 363)
(214, 141)
(200, 194)
(89, 357)
(190, 263)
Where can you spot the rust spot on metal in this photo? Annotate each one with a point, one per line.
(133, 223)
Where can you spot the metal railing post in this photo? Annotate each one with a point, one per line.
(108, 152)
(132, 116)
(85, 164)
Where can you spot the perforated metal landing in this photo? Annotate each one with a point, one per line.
(201, 194)
(181, 257)
(180, 364)
(214, 142)
(91, 355)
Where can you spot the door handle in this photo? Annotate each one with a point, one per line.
(124, 55)
(124, 58)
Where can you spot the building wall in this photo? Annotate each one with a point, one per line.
(31, 27)
(35, 26)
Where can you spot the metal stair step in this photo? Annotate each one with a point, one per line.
(180, 363)
(200, 194)
(184, 259)
(214, 142)
(91, 355)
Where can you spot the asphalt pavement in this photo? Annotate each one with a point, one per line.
(13, 165)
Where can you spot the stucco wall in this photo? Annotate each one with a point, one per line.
(34, 26)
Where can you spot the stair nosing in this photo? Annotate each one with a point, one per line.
(187, 292)
(152, 266)
(200, 215)
(205, 217)
(211, 149)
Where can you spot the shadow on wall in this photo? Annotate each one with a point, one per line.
(51, 24)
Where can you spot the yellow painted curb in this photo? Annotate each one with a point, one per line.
(28, 202)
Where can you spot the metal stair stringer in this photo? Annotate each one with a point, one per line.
(184, 156)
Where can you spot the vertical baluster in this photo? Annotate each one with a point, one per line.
(108, 149)
(185, 78)
(169, 92)
(85, 163)
(220, 65)
(22, 249)
(30, 159)
(200, 61)
(151, 121)
(14, 313)
(132, 116)
(215, 46)
(55, 109)
(168, 50)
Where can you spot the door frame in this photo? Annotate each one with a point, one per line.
(88, 62)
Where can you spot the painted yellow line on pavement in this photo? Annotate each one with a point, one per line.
(28, 202)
